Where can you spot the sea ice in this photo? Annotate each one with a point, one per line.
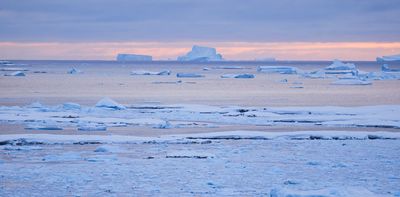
(133, 57)
(16, 74)
(242, 76)
(189, 75)
(351, 82)
(109, 103)
(278, 69)
(389, 58)
(200, 53)
(144, 72)
(91, 127)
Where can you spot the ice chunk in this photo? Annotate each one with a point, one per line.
(16, 74)
(389, 58)
(242, 76)
(385, 68)
(164, 125)
(200, 53)
(71, 106)
(92, 127)
(189, 75)
(144, 72)
(43, 126)
(189, 154)
(319, 74)
(13, 69)
(229, 67)
(74, 71)
(338, 65)
(206, 69)
(108, 149)
(278, 69)
(351, 82)
(133, 57)
(109, 103)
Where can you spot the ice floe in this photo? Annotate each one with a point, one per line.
(338, 65)
(144, 72)
(278, 69)
(109, 103)
(74, 71)
(16, 74)
(351, 82)
(241, 76)
(13, 69)
(201, 53)
(189, 75)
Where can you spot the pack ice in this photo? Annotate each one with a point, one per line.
(201, 53)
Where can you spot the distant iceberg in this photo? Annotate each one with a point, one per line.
(278, 69)
(202, 54)
(144, 72)
(238, 76)
(351, 82)
(389, 58)
(133, 57)
(338, 65)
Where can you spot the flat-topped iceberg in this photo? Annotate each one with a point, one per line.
(338, 65)
(385, 68)
(189, 75)
(278, 69)
(109, 103)
(238, 76)
(133, 57)
(200, 53)
(16, 74)
(145, 72)
(389, 58)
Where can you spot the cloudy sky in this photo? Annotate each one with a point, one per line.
(286, 29)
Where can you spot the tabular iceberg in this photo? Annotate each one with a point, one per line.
(200, 53)
(389, 58)
(133, 57)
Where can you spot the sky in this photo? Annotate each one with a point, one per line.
(250, 29)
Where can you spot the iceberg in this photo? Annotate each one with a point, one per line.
(144, 72)
(351, 82)
(92, 127)
(189, 75)
(71, 106)
(200, 53)
(229, 67)
(385, 68)
(338, 65)
(74, 71)
(109, 103)
(278, 69)
(389, 58)
(16, 74)
(133, 57)
(237, 76)
(319, 74)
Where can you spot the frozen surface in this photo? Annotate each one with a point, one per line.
(226, 164)
(133, 57)
(201, 53)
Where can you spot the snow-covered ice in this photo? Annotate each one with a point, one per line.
(278, 69)
(201, 53)
(241, 76)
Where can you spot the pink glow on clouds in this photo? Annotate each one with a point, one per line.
(230, 50)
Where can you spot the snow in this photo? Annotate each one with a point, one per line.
(338, 65)
(144, 72)
(388, 58)
(278, 69)
(109, 103)
(74, 71)
(351, 82)
(201, 53)
(189, 75)
(16, 74)
(241, 76)
(133, 57)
